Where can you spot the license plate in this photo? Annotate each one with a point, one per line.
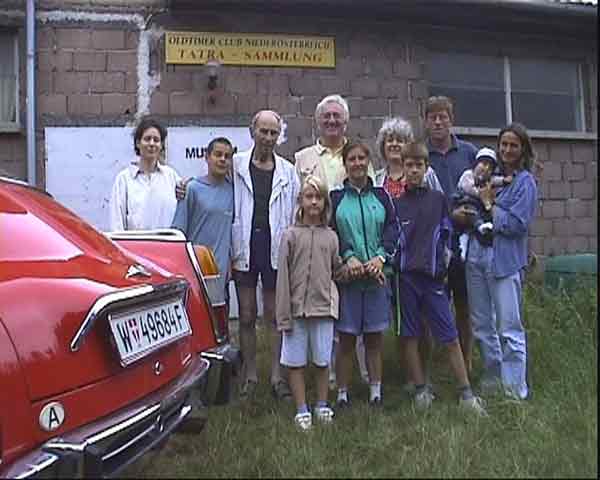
(140, 332)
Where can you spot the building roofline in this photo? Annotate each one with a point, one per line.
(548, 7)
(540, 16)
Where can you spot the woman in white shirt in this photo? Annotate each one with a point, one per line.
(143, 195)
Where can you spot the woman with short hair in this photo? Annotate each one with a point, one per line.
(143, 195)
(392, 136)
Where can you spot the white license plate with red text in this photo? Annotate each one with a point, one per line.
(140, 332)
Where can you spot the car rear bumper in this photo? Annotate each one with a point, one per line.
(104, 447)
(225, 363)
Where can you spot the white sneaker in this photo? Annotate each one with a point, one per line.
(303, 421)
(474, 404)
(324, 414)
(424, 399)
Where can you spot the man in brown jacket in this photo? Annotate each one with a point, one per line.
(324, 160)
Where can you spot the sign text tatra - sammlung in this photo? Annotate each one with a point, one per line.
(250, 49)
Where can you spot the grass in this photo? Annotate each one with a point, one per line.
(554, 434)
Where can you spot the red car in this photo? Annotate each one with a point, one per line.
(105, 348)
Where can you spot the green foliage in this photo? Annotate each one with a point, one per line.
(554, 434)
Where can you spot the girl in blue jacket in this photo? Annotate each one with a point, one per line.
(364, 218)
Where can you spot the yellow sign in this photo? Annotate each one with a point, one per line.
(249, 49)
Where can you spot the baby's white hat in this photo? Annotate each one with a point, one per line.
(486, 153)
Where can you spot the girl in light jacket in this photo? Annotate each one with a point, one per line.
(307, 298)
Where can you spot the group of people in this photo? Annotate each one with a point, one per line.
(347, 242)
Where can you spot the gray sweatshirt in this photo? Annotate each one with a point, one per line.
(308, 260)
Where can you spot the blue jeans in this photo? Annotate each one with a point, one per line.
(495, 310)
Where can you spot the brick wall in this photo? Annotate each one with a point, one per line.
(87, 72)
(568, 221)
(376, 80)
(87, 75)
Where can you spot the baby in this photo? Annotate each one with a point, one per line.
(468, 196)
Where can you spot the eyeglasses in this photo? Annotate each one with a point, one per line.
(442, 117)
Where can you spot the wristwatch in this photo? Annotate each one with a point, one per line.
(382, 258)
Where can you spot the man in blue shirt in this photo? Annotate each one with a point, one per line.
(206, 213)
(450, 157)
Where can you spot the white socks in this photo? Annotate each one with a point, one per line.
(374, 391)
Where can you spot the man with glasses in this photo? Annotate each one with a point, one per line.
(450, 157)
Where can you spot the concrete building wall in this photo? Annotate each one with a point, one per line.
(89, 74)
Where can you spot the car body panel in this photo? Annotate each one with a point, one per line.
(172, 256)
(13, 407)
(54, 267)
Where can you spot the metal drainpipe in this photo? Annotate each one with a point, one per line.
(31, 153)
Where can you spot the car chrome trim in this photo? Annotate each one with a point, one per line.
(25, 184)
(137, 269)
(121, 298)
(163, 235)
(225, 364)
(200, 276)
(104, 447)
(39, 465)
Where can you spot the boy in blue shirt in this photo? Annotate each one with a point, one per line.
(206, 213)
(422, 263)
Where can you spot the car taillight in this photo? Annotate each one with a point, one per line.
(208, 273)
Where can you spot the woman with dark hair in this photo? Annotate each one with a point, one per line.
(365, 220)
(143, 195)
(495, 269)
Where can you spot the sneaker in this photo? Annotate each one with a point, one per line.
(410, 388)
(324, 414)
(303, 421)
(424, 399)
(281, 390)
(475, 404)
(248, 390)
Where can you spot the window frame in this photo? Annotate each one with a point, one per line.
(582, 134)
(14, 126)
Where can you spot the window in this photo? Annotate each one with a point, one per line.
(491, 91)
(9, 69)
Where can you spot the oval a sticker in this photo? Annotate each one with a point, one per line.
(52, 416)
